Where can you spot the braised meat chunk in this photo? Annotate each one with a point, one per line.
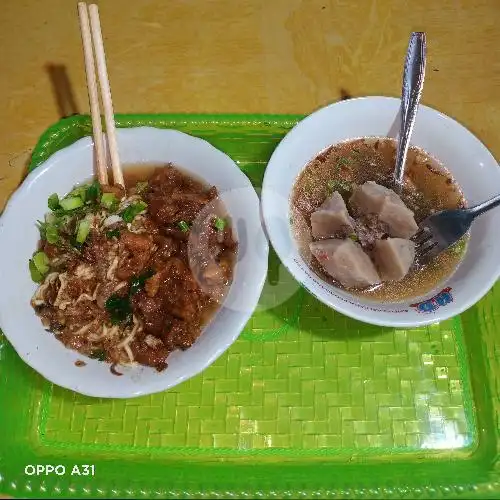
(173, 197)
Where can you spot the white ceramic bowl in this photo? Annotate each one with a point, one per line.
(19, 236)
(464, 155)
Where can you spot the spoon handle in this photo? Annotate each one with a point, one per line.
(413, 82)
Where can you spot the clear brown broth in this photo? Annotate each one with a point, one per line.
(429, 187)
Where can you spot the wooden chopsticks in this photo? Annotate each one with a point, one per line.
(93, 44)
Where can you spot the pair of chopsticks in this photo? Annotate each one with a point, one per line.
(93, 45)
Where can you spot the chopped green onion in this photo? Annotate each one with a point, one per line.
(339, 186)
(50, 217)
(183, 226)
(83, 230)
(71, 202)
(128, 215)
(63, 222)
(93, 191)
(36, 276)
(119, 309)
(141, 187)
(41, 262)
(346, 186)
(53, 201)
(137, 282)
(342, 161)
(42, 227)
(354, 237)
(52, 234)
(79, 192)
(219, 223)
(113, 233)
(109, 201)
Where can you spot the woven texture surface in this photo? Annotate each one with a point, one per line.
(386, 390)
(301, 379)
(388, 413)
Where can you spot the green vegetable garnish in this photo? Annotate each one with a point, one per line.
(137, 282)
(98, 354)
(113, 233)
(339, 186)
(36, 276)
(79, 192)
(51, 234)
(183, 226)
(63, 221)
(93, 192)
(119, 309)
(51, 217)
(353, 237)
(109, 201)
(71, 202)
(128, 215)
(342, 161)
(53, 201)
(41, 262)
(346, 186)
(141, 187)
(82, 231)
(42, 227)
(219, 223)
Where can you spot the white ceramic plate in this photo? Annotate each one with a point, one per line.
(464, 155)
(19, 236)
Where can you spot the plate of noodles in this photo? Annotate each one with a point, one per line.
(125, 292)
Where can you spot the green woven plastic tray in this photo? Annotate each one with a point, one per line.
(307, 403)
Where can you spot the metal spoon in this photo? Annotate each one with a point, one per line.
(413, 82)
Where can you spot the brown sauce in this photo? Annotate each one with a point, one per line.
(429, 187)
